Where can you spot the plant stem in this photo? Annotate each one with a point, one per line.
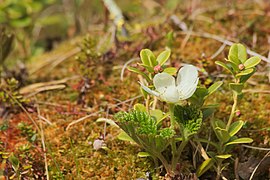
(218, 171)
(232, 111)
(178, 153)
(171, 111)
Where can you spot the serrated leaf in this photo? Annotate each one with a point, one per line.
(163, 57)
(170, 70)
(205, 166)
(252, 62)
(143, 154)
(139, 107)
(236, 87)
(237, 53)
(240, 141)
(225, 66)
(214, 87)
(125, 137)
(235, 127)
(224, 156)
(139, 72)
(245, 72)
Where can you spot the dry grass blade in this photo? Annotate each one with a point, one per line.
(83, 118)
(255, 169)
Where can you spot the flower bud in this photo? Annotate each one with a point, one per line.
(158, 68)
(241, 67)
(237, 113)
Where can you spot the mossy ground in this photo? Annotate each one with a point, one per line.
(70, 153)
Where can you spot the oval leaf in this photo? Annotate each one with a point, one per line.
(236, 87)
(235, 127)
(143, 154)
(240, 141)
(144, 56)
(207, 164)
(252, 62)
(148, 58)
(214, 87)
(140, 107)
(224, 156)
(225, 66)
(170, 70)
(222, 135)
(238, 53)
(132, 69)
(245, 72)
(163, 57)
(125, 137)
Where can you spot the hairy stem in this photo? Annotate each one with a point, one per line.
(171, 111)
(178, 153)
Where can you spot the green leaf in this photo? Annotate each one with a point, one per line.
(21, 23)
(208, 111)
(214, 87)
(244, 78)
(139, 72)
(207, 164)
(224, 156)
(236, 87)
(238, 53)
(144, 56)
(125, 137)
(220, 124)
(163, 117)
(252, 62)
(158, 114)
(148, 58)
(207, 141)
(163, 57)
(222, 134)
(170, 70)
(14, 161)
(149, 68)
(225, 66)
(235, 127)
(219, 128)
(245, 72)
(143, 154)
(139, 107)
(240, 141)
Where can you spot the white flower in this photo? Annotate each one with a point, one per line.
(172, 90)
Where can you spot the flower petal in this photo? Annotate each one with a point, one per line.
(170, 95)
(147, 89)
(162, 81)
(189, 91)
(187, 75)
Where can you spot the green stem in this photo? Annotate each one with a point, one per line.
(164, 162)
(178, 153)
(232, 111)
(171, 111)
(218, 171)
